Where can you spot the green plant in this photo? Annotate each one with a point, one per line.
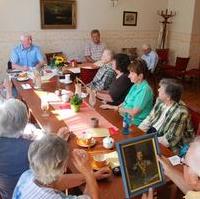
(76, 100)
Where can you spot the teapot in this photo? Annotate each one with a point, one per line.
(108, 142)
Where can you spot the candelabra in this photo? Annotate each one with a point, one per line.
(166, 14)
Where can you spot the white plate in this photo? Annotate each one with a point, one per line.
(64, 81)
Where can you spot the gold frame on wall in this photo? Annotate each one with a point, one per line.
(58, 14)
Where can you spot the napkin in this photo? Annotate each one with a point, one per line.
(112, 159)
(98, 132)
(26, 86)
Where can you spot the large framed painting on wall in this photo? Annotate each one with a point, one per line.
(58, 14)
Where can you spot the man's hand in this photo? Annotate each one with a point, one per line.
(25, 68)
(149, 195)
(102, 173)
(64, 133)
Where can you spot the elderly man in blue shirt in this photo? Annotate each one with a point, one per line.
(26, 55)
(150, 57)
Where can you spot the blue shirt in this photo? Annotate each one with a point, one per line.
(13, 162)
(26, 56)
(151, 59)
(26, 188)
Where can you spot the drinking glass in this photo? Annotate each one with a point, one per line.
(92, 98)
(45, 107)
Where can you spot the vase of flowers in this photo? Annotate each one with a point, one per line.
(58, 61)
(75, 103)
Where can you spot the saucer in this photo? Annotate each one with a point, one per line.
(65, 82)
(82, 144)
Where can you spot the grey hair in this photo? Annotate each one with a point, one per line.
(47, 158)
(25, 36)
(13, 118)
(172, 88)
(109, 52)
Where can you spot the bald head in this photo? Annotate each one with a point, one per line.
(146, 48)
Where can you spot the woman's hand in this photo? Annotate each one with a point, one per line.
(102, 173)
(149, 195)
(107, 106)
(81, 161)
(167, 166)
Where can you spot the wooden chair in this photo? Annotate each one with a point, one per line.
(195, 117)
(49, 56)
(131, 52)
(178, 70)
(163, 55)
(87, 74)
(193, 73)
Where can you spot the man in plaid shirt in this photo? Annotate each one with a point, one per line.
(94, 49)
(105, 74)
(169, 117)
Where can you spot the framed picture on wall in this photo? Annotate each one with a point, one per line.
(58, 14)
(130, 18)
(138, 163)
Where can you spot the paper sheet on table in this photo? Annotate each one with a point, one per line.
(52, 97)
(98, 132)
(75, 70)
(47, 77)
(112, 158)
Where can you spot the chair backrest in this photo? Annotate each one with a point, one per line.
(131, 52)
(49, 56)
(87, 74)
(182, 63)
(195, 117)
(163, 55)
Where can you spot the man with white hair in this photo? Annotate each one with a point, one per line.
(188, 180)
(105, 74)
(150, 57)
(26, 55)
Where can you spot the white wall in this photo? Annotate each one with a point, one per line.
(180, 31)
(19, 16)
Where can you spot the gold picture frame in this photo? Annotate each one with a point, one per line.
(139, 166)
(58, 14)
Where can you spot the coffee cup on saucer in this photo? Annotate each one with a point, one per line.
(99, 160)
(85, 139)
(67, 78)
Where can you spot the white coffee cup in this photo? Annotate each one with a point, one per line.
(65, 98)
(67, 77)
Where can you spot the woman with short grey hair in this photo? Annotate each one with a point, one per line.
(14, 148)
(169, 117)
(48, 161)
(13, 118)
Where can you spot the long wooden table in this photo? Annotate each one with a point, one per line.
(109, 189)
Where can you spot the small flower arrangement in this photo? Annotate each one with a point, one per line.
(76, 102)
(58, 60)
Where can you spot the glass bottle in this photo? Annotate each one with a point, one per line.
(126, 123)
